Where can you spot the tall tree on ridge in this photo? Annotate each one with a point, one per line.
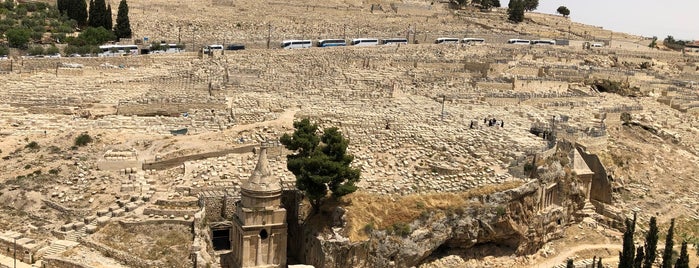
(122, 29)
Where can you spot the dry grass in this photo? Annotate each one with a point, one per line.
(167, 242)
(382, 211)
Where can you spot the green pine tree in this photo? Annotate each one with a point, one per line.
(667, 253)
(320, 164)
(683, 260)
(651, 243)
(122, 29)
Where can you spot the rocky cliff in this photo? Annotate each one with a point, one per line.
(513, 219)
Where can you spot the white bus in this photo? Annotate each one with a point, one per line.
(365, 42)
(117, 50)
(519, 42)
(470, 40)
(291, 44)
(543, 42)
(331, 43)
(211, 48)
(446, 40)
(394, 41)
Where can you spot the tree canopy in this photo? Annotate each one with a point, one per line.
(18, 37)
(320, 164)
(122, 29)
(99, 15)
(563, 11)
(515, 11)
(531, 5)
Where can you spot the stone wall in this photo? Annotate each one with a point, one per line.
(165, 109)
(58, 262)
(170, 163)
(62, 209)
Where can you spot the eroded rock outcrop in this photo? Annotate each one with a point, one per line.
(515, 218)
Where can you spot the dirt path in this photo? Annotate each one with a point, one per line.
(563, 256)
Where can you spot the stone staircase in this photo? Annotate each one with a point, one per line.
(59, 246)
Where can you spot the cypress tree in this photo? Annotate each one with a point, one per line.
(570, 264)
(80, 12)
(683, 260)
(92, 15)
(638, 261)
(599, 263)
(108, 18)
(98, 14)
(76, 10)
(651, 244)
(61, 6)
(122, 29)
(626, 257)
(667, 253)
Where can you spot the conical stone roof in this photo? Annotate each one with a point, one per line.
(261, 179)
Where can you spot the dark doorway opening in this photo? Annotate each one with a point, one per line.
(221, 239)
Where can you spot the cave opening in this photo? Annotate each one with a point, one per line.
(221, 239)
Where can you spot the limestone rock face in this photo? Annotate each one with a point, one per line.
(522, 227)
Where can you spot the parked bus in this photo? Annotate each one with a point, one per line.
(519, 42)
(469, 40)
(543, 42)
(394, 41)
(211, 48)
(446, 40)
(331, 43)
(291, 44)
(365, 42)
(117, 50)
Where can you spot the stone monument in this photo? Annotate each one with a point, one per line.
(259, 231)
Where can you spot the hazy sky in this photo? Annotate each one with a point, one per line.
(641, 17)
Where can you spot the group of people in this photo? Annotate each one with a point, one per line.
(490, 122)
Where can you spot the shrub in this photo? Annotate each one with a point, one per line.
(402, 229)
(83, 139)
(52, 50)
(18, 37)
(500, 210)
(35, 50)
(369, 227)
(54, 171)
(32, 145)
(4, 50)
(27, 166)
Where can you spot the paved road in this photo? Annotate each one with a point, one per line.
(563, 256)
